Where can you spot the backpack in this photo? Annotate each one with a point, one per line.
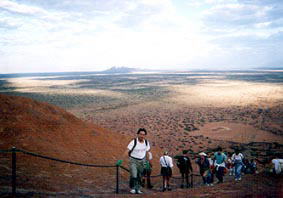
(183, 162)
(135, 143)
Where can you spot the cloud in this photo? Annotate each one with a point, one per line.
(20, 8)
(245, 13)
(274, 17)
(244, 25)
(244, 33)
(94, 34)
(229, 15)
(7, 25)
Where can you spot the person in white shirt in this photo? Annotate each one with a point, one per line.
(237, 159)
(278, 165)
(137, 150)
(166, 163)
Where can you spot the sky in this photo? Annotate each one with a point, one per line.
(94, 35)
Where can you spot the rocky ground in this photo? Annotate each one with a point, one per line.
(177, 128)
(260, 185)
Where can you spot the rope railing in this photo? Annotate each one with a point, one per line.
(14, 159)
(6, 151)
(117, 166)
(125, 168)
(64, 161)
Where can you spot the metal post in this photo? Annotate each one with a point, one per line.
(117, 179)
(14, 160)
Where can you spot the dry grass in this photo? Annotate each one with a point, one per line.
(64, 87)
(236, 132)
(223, 93)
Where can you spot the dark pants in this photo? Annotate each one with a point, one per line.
(220, 174)
(185, 176)
(146, 175)
(212, 178)
(207, 179)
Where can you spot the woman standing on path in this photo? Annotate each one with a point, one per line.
(204, 169)
(166, 163)
(237, 159)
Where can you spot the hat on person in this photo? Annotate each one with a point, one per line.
(202, 153)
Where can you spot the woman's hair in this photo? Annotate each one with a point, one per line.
(142, 129)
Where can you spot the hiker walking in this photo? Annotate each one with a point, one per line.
(185, 168)
(204, 169)
(230, 165)
(237, 159)
(277, 165)
(210, 157)
(146, 175)
(137, 150)
(166, 163)
(219, 164)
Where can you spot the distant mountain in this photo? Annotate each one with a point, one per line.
(121, 70)
(114, 70)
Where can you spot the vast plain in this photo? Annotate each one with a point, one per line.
(185, 110)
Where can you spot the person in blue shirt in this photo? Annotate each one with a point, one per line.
(219, 164)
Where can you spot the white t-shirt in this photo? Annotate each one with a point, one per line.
(140, 149)
(168, 159)
(210, 161)
(277, 165)
(237, 158)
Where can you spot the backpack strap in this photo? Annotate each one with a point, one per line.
(135, 143)
(165, 161)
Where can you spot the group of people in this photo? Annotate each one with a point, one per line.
(138, 151)
(247, 166)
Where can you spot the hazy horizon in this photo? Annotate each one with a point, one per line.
(142, 70)
(91, 35)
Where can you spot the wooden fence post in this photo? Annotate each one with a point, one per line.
(117, 179)
(14, 176)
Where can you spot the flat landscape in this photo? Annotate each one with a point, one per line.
(176, 108)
